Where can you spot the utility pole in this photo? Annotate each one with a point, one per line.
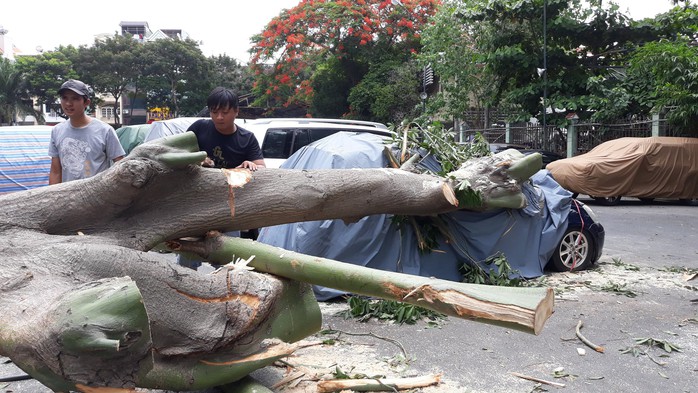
(545, 67)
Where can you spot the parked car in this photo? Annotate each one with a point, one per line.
(548, 156)
(278, 138)
(554, 232)
(644, 168)
(24, 159)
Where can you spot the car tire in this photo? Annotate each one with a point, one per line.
(608, 201)
(574, 252)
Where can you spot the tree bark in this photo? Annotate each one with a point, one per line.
(84, 305)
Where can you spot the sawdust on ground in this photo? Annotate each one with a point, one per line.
(301, 372)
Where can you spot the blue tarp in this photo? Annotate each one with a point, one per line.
(24, 159)
(527, 237)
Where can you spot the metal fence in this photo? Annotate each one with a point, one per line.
(590, 135)
(531, 136)
(554, 139)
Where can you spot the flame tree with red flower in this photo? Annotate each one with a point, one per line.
(325, 48)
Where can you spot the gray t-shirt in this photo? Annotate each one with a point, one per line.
(85, 151)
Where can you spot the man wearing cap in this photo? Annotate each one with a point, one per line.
(81, 146)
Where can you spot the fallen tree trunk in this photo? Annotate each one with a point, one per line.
(85, 306)
(521, 308)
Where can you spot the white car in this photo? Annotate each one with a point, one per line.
(278, 138)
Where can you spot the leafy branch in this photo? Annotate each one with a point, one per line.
(364, 309)
(643, 345)
(498, 272)
(618, 289)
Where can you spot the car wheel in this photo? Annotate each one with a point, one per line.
(574, 251)
(608, 201)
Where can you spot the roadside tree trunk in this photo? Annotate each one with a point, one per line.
(85, 305)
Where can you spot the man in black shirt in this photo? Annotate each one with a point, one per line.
(226, 144)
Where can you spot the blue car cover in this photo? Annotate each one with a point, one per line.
(527, 237)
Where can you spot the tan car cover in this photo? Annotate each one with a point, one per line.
(655, 167)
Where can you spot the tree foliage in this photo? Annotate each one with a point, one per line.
(111, 65)
(169, 73)
(14, 94)
(384, 92)
(496, 54)
(320, 43)
(663, 76)
(46, 72)
(175, 69)
(226, 71)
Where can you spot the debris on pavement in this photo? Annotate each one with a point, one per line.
(586, 341)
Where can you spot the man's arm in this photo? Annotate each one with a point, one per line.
(55, 175)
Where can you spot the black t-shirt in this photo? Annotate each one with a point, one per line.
(226, 151)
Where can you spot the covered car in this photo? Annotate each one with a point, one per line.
(645, 168)
(528, 237)
(132, 136)
(163, 128)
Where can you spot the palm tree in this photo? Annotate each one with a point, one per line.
(14, 97)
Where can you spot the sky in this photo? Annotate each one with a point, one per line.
(223, 27)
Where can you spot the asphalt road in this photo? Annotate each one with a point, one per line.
(664, 233)
(639, 290)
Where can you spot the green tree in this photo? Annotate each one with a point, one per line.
(663, 76)
(111, 65)
(331, 86)
(450, 48)
(177, 75)
(388, 93)
(226, 71)
(14, 94)
(46, 72)
(320, 44)
(507, 61)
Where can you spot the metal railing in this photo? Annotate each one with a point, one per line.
(554, 139)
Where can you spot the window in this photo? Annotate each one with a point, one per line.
(282, 142)
(107, 112)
